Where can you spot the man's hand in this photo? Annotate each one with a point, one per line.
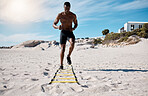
(60, 27)
(72, 29)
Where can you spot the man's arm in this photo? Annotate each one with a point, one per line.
(75, 22)
(56, 22)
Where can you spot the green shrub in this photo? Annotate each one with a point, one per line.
(128, 34)
(143, 31)
(123, 34)
(135, 31)
(143, 34)
(123, 39)
(112, 36)
(145, 27)
(105, 31)
(97, 41)
(86, 37)
(108, 37)
(116, 36)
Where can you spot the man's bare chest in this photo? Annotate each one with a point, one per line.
(66, 18)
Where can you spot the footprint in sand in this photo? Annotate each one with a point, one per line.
(115, 85)
(2, 92)
(5, 86)
(58, 90)
(77, 88)
(45, 73)
(90, 78)
(47, 69)
(49, 63)
(26, 74)
(55, 89)
(99, 89)
(34, 79)
(2, 69)
(30, 87)
(14, 74)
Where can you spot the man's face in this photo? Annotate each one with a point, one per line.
(66, 8)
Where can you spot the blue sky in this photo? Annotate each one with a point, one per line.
(22, 20)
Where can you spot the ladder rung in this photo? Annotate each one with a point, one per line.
(64, 75)
(65, 72)
(64, 81)
(64, 78)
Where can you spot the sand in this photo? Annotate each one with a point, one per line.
(121, 71)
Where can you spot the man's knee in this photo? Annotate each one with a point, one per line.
(62, 49)
(72, 42)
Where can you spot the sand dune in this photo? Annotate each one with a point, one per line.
(120, 71)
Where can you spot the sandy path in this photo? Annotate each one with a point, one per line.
(105, 71)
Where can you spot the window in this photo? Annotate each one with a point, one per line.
(140, 26)
(132, 27)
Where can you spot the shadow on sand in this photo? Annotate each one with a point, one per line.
(124, 70)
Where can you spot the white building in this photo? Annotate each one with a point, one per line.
(129, 26)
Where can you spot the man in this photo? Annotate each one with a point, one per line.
(66, 18)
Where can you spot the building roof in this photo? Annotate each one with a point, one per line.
(136, 22)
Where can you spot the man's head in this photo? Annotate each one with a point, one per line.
(66, 6)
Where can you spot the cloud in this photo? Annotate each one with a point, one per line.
(18, 38)
(136, 4)
(25, 11)
(42, 10)
(21, 11)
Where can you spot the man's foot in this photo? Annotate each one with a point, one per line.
(68, 60)
(61, 67)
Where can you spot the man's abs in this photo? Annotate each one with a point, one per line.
(67, 27)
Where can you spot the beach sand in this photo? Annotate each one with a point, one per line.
(121, 71)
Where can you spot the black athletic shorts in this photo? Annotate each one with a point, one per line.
(66, 35)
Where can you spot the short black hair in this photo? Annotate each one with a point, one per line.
(67, 4)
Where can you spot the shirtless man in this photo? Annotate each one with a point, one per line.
(66, 18)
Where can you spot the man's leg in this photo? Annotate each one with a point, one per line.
(62, 53)
(72, 43)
